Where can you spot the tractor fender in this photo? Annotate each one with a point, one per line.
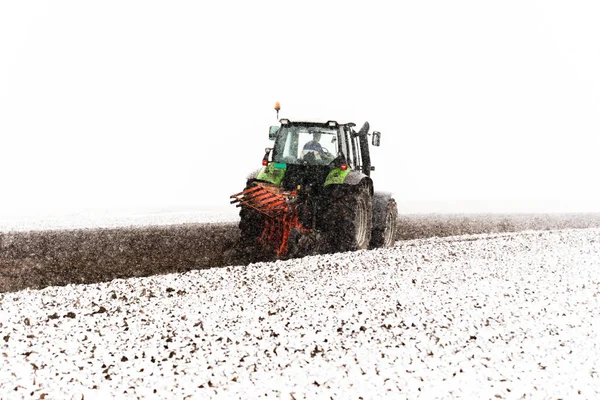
(338, 177)
(272, 173)
(380, 201)
(356, 178)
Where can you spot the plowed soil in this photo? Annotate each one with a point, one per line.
(41, 258)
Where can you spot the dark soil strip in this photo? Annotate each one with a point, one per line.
(38, 259)
(44, 258)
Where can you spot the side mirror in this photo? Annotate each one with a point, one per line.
(376, 138)
(265, 160)
(273, 132)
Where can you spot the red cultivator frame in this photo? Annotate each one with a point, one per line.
(279, 209)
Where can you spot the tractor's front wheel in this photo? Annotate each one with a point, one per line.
(251, 224)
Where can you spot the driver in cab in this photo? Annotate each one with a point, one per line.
(313, 146)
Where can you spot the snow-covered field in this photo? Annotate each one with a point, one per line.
(482, 316)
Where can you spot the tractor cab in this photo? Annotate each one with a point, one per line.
(322, 144)
(306, 144)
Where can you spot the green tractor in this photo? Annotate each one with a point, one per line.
(314, 193)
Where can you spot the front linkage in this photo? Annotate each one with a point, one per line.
(284, 233)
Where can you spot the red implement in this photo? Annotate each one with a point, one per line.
(282, 216)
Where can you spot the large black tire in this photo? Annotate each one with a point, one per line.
(385, 217)
(352, 220)
(251, 224)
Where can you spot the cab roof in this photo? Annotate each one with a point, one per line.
(327, 124)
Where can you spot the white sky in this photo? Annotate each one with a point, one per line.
(483, 106)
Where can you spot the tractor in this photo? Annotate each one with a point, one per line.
(314, 193)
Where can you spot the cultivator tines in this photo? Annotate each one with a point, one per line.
(264, 199)
(282, 217)
(276, 232)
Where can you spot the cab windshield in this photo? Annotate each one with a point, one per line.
(299, 144)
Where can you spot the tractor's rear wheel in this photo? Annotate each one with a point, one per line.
(351, 229)
(385, 234)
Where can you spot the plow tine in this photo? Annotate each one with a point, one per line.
(250, 195)
(256, 194)
(272, 204)
(253, 189)
(235, 200)
(258, 197)
(268, 202)
(271, 200)
(247, 191)
(241, 195)
(278, 205)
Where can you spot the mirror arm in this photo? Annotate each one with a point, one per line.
(267, 152)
